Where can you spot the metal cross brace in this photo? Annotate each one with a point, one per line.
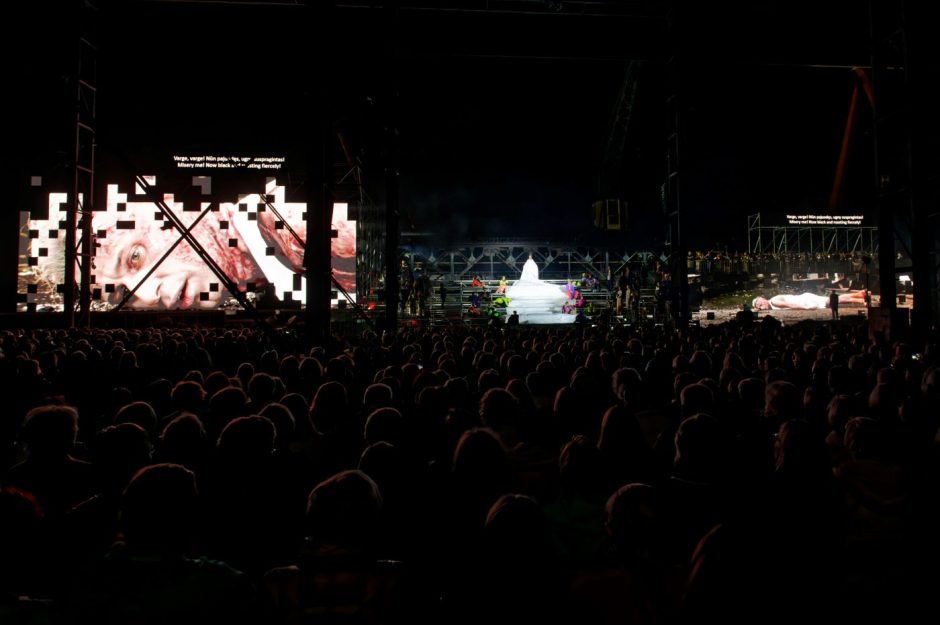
(186, 235)
(129, 294)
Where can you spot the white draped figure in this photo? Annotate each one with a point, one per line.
(807, 301)
(537, 301)
(530, 271)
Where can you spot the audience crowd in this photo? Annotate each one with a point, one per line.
(745, 472)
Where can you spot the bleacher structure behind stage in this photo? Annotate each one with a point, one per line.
(455, 264)
(598, 304)
(456, 304)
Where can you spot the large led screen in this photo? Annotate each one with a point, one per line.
(141, 260)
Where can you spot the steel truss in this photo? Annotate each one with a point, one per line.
(370, 220)
(672, 190)
(810, 239)
(79, 242)
(186, 235)
(493, 259)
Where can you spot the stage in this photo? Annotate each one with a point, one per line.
(712, 311)
(787, 317)
(724, 310)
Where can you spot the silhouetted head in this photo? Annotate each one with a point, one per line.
(696, 398)
(140, 413)
(516, 531)
(620, 434)
(189, 396)
(158, 510)
(498, 409)
(215, 382)
(50, 431)
(384, 424)
(782, 401)
(864, 438)
(581, 466)
(261, 389)
(632, 518)
(328, 407)
(801, 449)
(627, 384)
(247, 440)
(385, 464)
(480, 460)
(184, 441)
(701, 448)
(244, 373)
(344, 511)
(377, 395)
(284, 424)
(228, 404)
(119, 451)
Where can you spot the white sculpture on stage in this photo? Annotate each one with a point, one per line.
(537, 301)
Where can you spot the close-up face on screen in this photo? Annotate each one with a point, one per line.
(253, 242)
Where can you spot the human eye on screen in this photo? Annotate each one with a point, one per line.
(136, 257)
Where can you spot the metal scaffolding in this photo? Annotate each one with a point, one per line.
(79, 240)
(495, 258)
(370, 224)
(763, 239)
(671, 193)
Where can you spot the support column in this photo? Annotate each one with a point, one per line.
(897, 251)
(923, 74)
(79, 240)
(678, 265)
(390, 121)
(319, 213)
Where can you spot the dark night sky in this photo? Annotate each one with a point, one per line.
(493, 141)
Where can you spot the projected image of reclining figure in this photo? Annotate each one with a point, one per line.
(537, 301)
(183, 280)
(252, 246)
